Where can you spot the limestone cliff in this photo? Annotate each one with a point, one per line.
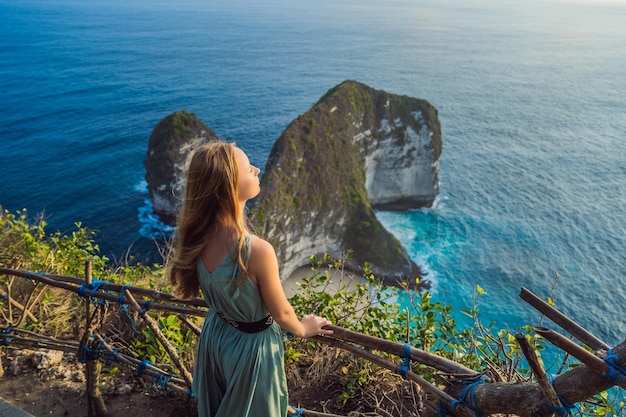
(356, 149)
(169, 150)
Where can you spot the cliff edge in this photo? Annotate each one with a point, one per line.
(169, 149)
(355, 150)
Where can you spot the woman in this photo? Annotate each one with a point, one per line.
(239, 368)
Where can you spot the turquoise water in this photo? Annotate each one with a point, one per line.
(531, 98)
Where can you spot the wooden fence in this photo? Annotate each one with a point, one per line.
(469, 394)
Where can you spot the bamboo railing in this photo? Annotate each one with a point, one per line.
(524, 399)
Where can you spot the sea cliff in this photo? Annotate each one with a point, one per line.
(169, 151)
(355, 150)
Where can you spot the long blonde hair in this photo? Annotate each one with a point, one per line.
(210, 201)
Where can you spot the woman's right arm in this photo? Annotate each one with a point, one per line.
(263, 269)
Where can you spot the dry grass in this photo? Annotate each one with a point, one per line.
(316, 382)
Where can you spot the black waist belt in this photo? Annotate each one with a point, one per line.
(249, 327)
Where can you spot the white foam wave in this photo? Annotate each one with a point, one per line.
(141, 187)
(429, 274)
(151, 226)
(439, 202)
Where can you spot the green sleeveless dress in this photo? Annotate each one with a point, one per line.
(237, 374)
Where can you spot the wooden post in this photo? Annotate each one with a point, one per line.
(538, 371)
(88, 369)
(95, 403)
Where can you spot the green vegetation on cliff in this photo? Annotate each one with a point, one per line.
(167, 137)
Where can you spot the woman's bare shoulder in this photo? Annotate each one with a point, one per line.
(260, 247)
(263, 263)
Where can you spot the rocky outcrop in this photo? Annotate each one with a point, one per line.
(355, 150)
(169, 150)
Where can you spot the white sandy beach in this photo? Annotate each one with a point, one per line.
(291, 284)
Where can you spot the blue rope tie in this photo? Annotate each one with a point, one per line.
(84, 349)
(124, 307)
(111, 357)
(566, 408)
(617, 373)
(145, 307)
(442, 409)
(470, 389)
(122, 297)
(142, 365)
(405, 365)
(299, 412)
(190, 393)
(88, 290)
(162, 380)
(4, 335)
(34, 273)
(89, 353)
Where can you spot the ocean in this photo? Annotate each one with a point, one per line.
(531, 98)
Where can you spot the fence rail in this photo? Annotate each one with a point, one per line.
(469, 393)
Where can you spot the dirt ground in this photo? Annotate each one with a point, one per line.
(50, 383)
(43, 398)
(50, 388)
(41, 395)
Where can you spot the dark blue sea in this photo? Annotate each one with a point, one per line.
(531, 96)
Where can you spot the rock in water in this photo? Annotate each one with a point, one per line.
(169, 151)
(355, 150)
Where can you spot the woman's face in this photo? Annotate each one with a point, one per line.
(248, 186)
